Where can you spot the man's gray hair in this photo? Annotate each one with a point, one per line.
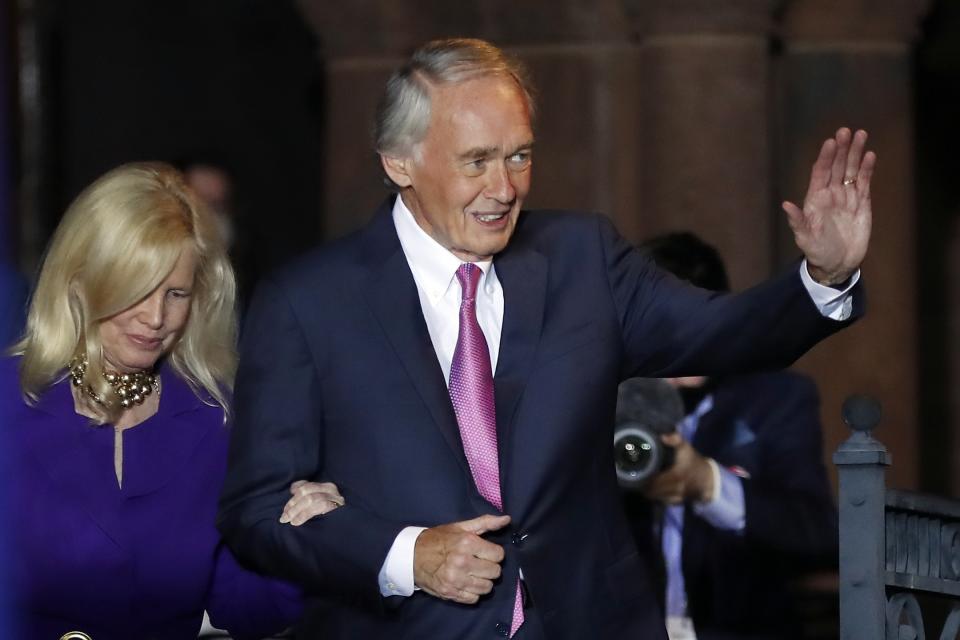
(403, 114)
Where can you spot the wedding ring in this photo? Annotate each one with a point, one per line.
(847, 181)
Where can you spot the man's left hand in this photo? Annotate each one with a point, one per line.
(833, 227)
(690, 478)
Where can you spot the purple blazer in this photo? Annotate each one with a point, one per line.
(137, 562)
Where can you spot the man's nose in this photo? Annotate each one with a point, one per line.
(500, 186)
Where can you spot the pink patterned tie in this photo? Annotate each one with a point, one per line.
(471, 391)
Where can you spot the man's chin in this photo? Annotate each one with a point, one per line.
(490, 252)
(495, 243)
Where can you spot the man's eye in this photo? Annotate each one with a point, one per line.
(475, 168)
(520, 158)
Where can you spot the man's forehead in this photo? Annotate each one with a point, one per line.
(489, 87)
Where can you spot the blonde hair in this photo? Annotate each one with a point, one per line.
(118, 240)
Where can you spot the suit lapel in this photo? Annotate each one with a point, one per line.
(523, 275)
(392, 295)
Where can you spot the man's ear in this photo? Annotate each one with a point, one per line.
(396, 170)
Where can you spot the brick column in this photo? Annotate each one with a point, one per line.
(705, 88)
(848, 62)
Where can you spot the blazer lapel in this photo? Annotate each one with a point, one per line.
(523, 274)
(62, 443)
(392, 295)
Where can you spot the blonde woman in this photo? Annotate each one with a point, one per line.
(115, 407)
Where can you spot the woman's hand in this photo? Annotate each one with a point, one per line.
(310, 499)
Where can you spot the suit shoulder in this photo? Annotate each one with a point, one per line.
(784, 399)
(328, 262)
(558, 220)
(790, 383)
(550, 229)
(780, 383)
(769, 389)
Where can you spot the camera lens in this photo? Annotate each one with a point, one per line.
(634, 453)
(637, 454)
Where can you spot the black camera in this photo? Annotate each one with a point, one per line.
(646, 409)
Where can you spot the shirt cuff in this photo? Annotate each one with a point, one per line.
(836, 304)
(396, 574)
(725, 510)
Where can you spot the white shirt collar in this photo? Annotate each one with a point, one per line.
(432, 264)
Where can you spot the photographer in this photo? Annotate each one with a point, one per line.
(745, 505)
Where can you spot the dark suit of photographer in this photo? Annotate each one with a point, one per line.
(746, 505)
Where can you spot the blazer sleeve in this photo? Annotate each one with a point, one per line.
(248, 605)
(670, 328)
(278, 438)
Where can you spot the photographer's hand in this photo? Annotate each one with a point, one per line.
(689, 479)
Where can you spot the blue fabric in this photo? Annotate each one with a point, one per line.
(137, 562)
(339, 381)
(13, 301)
(676, 596)
(8, 621)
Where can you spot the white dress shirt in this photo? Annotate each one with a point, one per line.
(434, 269)
(434, 272)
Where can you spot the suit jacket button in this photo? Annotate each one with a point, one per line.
(502, 629)
(517, 539)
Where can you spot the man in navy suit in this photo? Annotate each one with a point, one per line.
(747, 507)
(348, 353)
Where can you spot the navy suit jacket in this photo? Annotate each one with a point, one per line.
(339, 381)
(738, 585)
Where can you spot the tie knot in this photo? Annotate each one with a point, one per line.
(469, 275)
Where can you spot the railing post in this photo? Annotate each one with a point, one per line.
(860, 465)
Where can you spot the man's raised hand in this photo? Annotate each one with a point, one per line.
(833, 227)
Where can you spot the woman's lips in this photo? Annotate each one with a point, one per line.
(144, 342)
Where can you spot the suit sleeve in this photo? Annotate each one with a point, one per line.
(278, 438)
(671, 329)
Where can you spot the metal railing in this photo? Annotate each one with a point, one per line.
(895, 546)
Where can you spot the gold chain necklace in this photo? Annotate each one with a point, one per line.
(132, 388)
